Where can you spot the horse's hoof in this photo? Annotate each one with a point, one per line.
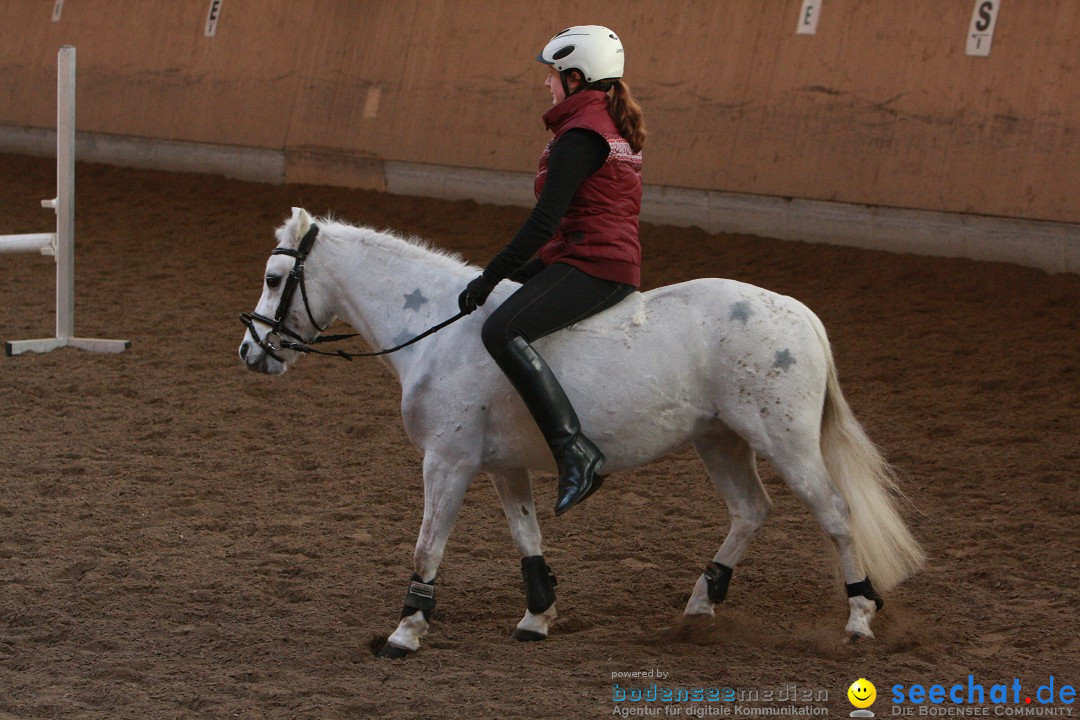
(393, 652)
(853, 638)
(527, 635)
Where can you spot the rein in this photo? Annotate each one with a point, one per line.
(298, 343)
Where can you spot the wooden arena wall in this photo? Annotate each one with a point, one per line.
(881, 107)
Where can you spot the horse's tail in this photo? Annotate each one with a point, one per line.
(882, 541)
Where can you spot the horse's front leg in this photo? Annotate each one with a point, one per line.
(515, 492)
(445, 482)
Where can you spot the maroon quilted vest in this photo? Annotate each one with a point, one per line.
(599, 233)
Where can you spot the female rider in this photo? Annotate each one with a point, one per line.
(585, 225)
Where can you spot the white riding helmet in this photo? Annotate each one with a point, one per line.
(594, 50)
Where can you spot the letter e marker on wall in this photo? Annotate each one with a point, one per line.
(981, 32)
(808, 17)
(212, 16)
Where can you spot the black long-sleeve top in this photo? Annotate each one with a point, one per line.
(574, 156)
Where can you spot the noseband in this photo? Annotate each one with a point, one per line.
(277, 324)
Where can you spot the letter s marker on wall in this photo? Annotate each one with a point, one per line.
(981, 31)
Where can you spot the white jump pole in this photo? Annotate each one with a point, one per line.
(62, 244)
(34, 242)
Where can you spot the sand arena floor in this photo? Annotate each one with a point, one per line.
(180, 538)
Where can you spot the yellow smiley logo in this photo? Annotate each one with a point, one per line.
(862, 693)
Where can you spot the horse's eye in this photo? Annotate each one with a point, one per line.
(272, 281)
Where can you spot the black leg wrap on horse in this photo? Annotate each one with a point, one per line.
(717, 576)
(539, 584)
(865, 589)
(420, 597)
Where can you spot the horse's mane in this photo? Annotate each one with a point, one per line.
(411, 247)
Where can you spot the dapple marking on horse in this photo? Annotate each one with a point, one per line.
(733, 369)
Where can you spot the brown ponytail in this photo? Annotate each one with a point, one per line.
(626, 112)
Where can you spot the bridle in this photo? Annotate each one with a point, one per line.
(277, 324)
(297, 342)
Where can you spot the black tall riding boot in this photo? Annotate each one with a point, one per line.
(577, 458)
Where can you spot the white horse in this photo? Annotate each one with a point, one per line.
(733, 369)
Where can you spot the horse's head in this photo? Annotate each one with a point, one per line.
(284, 313)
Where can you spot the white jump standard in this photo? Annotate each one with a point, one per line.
(60, 244)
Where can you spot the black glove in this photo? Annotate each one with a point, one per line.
(475, 294)
(527, 272)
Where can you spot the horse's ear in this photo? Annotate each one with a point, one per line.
(300, 224)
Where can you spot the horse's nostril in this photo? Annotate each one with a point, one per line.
(244, 351)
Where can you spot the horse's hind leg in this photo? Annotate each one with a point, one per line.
(805, 473)
(515, 492)
(730, 462)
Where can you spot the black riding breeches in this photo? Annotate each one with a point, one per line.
(556, 297)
